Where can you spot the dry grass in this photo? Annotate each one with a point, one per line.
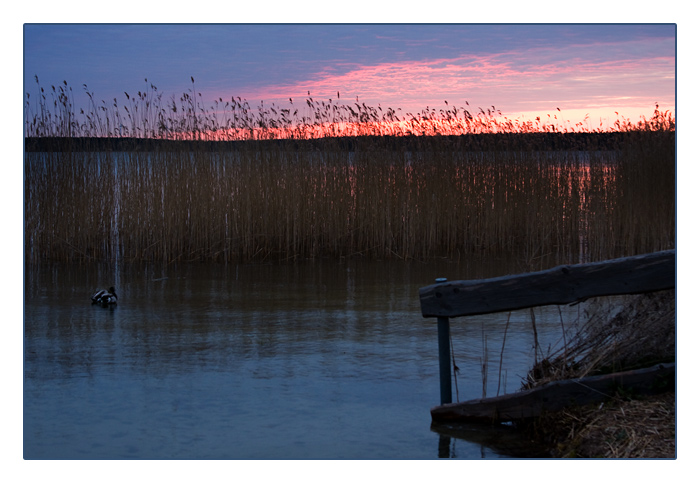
(620, 333)
(638, 333)
(638, 428)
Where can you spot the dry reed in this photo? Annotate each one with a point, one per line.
(621, 334)
(528, 190)
(637, 428)
(634, 332)
(147, 115)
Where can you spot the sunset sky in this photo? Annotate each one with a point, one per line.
(523, 71)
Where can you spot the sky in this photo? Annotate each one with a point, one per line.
(574, 71)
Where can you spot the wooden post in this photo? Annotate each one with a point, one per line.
(443, 324)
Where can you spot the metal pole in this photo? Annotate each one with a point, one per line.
(443, 324)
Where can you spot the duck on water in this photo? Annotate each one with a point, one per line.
(105, 297)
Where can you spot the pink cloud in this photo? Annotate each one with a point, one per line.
(601, 78)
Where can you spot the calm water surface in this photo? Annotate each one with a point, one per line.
(307, 361)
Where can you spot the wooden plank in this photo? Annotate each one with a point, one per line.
(557, 395)
(560, 285)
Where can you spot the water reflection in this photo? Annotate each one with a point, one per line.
(305, 361)
(502, 438)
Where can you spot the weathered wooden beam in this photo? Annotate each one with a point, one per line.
(560, 285)
(557, 395)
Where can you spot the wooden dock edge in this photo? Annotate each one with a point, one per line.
(557, 395)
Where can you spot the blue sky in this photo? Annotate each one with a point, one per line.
(522, 70)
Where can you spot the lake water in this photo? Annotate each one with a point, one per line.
(317, 360)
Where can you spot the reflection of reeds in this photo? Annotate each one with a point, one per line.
(409, 197)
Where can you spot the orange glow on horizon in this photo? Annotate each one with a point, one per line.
(417, 126)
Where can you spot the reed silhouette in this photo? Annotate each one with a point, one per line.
(170, 180)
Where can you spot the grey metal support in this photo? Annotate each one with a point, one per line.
(443, 324)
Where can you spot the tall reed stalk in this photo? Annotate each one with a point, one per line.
(98, 189)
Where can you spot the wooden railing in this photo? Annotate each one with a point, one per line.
(560, 285)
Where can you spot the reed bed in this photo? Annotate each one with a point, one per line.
(336, 181)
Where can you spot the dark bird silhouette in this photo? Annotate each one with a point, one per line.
(105, 297)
